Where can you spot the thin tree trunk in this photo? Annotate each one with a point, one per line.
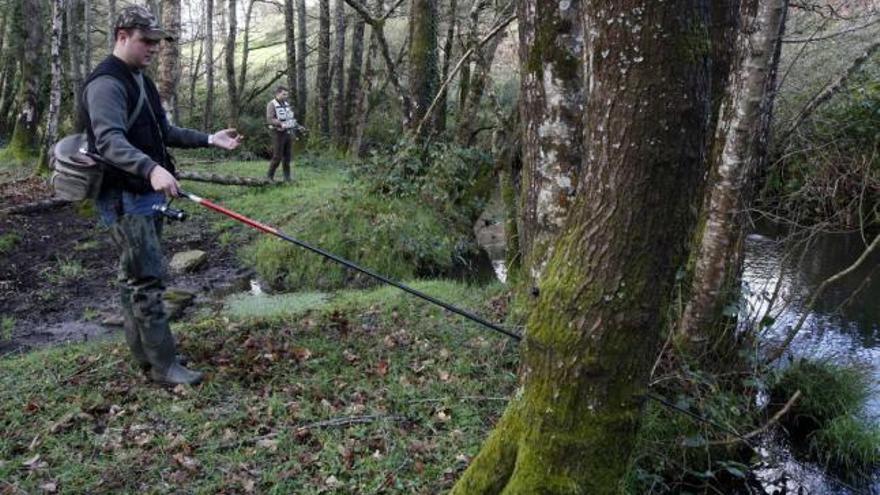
(195, 67)
(551, 103)
(75, 74)
(322, 78)
(232, 88)
(440, 113)
(473, 34)
(736, 156)
(24, 137)
(596, 323)
(245, 50)
(111, 22)
(422, 57)
(829, 91)
(169, 59)
(362, 113)
(338, 63)
(301, 85)
(209, 65)
(87, 36)
(355, 88)
(53, 114)
(290, 47)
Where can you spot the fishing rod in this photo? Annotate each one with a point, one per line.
(175, 214)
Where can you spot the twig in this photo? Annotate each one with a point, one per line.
(350, 420)
(818, 292)
(775, 419)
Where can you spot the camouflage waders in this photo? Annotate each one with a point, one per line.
(281, 144)
(141, 271)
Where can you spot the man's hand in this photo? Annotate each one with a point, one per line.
(163, 181)
(227, 139)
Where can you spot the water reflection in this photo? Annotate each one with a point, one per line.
(844, 325)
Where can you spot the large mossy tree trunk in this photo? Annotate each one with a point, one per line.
(23, 143)
(596, 325)
(738, 150)
(551, 111)
(169, 60)
(422, 57)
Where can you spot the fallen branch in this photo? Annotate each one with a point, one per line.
(228, 180)
(775, 419)
(42, 205)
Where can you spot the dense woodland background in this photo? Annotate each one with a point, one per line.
(634, 146)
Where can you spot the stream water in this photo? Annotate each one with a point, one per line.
(843, 326)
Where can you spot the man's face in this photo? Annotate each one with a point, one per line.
(282, 96)
(136, 50)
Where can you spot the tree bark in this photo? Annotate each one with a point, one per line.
(75, 74)
(24, 137)
(339, 102)
(209, 65)
(355, 89)
(87, 36)
(551, 103)
(362, 112)
(290, 50)
(245, 50)
(53, 114)
(169, 60)
(111, 23)
(422, 57)
(736, 156)
(195, 65)
(322, 79)
(301, 86)
(232, 87)
(227, 180)
(440, 113)
(596, 325)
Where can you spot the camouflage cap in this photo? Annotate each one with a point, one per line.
(140, 17)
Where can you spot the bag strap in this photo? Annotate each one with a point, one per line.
(137, 108)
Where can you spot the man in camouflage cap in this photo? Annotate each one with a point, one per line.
(123, 117)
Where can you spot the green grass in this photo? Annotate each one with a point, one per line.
(848, 444)
(426, 385)
(8, 241)
(828, 391)
(7, 325)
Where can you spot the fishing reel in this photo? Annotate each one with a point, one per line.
(170, 213)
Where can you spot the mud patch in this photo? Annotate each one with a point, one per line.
(58, 271)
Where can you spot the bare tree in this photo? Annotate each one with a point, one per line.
(339, 75)
(209, 65)
(290, 47)
(355, 89)
(322, 78)
(301, 86)
(595, 325)
(231, 86)
(87, 36)
(55, 86)
(440, 113)
(169, 60)
(111, 22)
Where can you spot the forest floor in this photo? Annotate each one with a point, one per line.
(356, 391)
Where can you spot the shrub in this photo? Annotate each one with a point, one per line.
(400, 238)
(827, 391)
(848, 444)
